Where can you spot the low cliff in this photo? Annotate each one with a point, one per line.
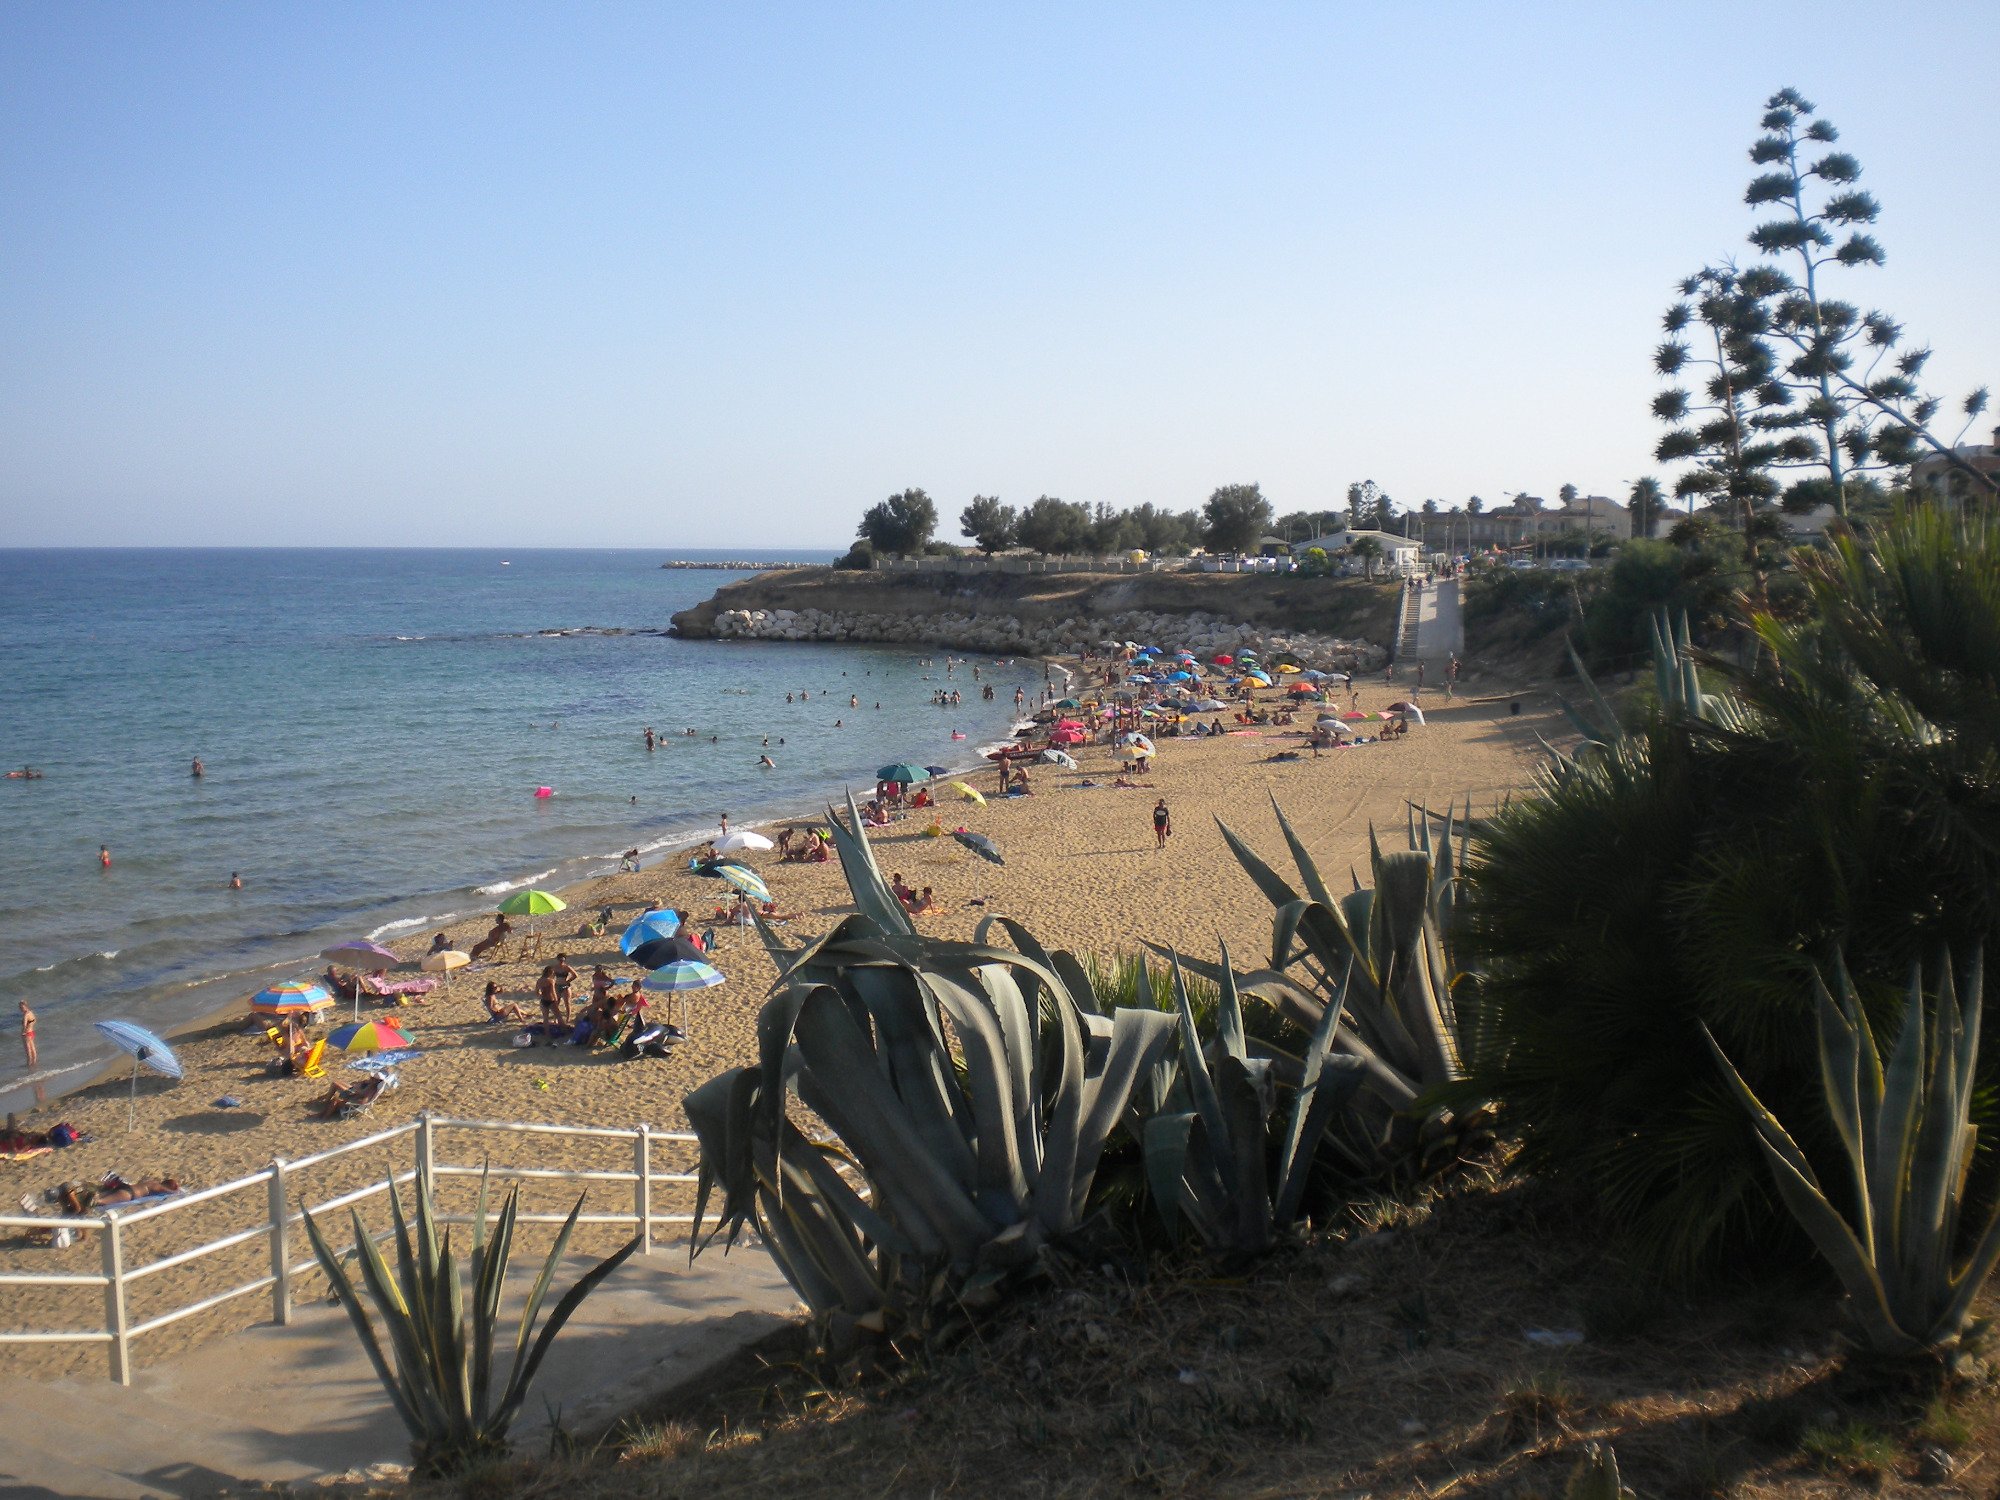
(1342, 619)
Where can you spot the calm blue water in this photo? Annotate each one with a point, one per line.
(373, 725)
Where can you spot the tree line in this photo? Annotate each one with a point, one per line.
(1235, 518)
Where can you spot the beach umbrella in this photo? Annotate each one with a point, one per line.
(1180, 677)
(655, 953)
(742, 839)
(1134, 738)
(369, 1036)
(361, 955)
(292, 997)
(1057, 758)
(938, 770)
(147, 1050)
(684, 974)
(1287, 667)
(1067, 703)
(1315, 676)
(1224, 659)
(746, 881)
(971, 794)
(654, 924)
(711, 869)
(1409, 708)
(1208, 705)
(1139, 677)
(443, 962)
(902, 773)
(979, 844)
(531, 903)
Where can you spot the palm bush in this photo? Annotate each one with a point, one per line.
(1905, 1146)
(442, 1379)
(1844, 797)
(969, 1091)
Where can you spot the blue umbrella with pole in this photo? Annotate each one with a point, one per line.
(146, 1050)
(653, 924)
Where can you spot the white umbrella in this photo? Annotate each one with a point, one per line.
(743, 838)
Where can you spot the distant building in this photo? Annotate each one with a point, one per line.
(1938, 477)
(1400, 554)
(1523, 521)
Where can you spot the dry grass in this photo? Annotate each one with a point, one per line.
(1369, 1362)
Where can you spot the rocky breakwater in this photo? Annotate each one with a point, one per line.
(1010, 635)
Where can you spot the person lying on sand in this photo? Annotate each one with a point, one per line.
(78, 1198)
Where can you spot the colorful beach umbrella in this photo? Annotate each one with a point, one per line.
(654, 924)
(369, 1036)
(685, 974)
(291, 998)
(147, 1050)
(746, 881)
(532, 903)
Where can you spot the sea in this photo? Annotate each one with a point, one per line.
(373, 727)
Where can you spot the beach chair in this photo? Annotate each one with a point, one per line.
(315, 1063)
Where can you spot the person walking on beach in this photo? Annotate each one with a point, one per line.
(1163, 824)
(1451, 678)
(28, 1034)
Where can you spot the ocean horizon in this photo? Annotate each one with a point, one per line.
(373, 724)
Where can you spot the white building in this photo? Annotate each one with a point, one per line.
(1402, 554)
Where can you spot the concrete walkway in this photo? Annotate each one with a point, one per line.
(1440, 633)
(299, 1403)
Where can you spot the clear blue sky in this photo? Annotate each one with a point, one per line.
(724, 275)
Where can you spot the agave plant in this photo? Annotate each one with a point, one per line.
(1380, 958)
(1906, 1143)
(970, 1091)
(1207, 1148)
(442, 1381)
(1676, 685)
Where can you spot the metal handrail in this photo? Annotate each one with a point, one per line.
(117, 1276)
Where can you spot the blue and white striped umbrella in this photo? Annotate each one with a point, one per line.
(683, 974)
(653, 924)
(145, 1048)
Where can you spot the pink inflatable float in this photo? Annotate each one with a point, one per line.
(545, 791)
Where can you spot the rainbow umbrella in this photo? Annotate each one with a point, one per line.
(293, 997)
(684, 974)
(369, 1036)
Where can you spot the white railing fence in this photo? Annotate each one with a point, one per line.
(277, 1198)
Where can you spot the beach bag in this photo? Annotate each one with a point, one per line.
(63, 1134)
(524, 1039)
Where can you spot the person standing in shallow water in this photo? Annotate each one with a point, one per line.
(28, 1034)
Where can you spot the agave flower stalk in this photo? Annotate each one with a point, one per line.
(1906, 1143)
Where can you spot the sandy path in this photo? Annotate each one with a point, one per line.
(1081, 872)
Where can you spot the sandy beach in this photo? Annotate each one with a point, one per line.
(1081, 871)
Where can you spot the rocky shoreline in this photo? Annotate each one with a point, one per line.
(1009, 635)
